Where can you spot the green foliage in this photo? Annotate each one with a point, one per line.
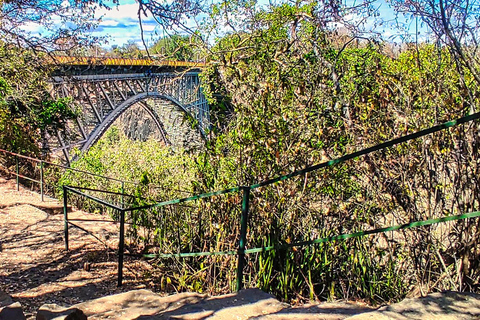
(146, 162)
(301, 95)
(128, 50)
(27, 111)
(176, 47)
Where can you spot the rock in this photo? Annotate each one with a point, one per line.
(56, 312)
(145, 304)
(439, 306)
(5, 299)
(12, 312)
(137, 124)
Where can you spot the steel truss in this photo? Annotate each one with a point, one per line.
(103, 98)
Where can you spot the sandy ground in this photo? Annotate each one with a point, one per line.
(36, 269)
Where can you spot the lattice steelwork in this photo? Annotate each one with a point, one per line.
(103, 97)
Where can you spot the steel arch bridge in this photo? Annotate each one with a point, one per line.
(104, 88)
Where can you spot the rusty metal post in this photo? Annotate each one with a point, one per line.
(41, 180)
(17, 171)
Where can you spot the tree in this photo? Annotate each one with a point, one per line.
(454, 23)
(302, 93)
(65, 23)
(27, 111)
(127, 50)
(176, 47)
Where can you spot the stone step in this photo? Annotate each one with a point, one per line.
(51, 208)
(255, 304)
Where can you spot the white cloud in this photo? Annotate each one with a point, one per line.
(32, 27)
(118, 13)
(120, 24)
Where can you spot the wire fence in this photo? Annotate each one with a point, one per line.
(129, 214)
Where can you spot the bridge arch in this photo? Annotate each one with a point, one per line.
(103, 97)
(102, 127)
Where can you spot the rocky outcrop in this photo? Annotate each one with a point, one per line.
(144, 304)
(10, 310)
(439, 306)
(178, 131)
(255, 304)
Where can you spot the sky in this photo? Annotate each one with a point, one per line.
(120, 24)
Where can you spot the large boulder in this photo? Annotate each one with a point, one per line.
(438, 306)
(10, 310)
(145, 304)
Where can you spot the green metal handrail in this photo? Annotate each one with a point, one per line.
(245, 205)
(42, 164)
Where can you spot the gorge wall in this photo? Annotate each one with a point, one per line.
(178, 131)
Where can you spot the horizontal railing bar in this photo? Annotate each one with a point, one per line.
(369, 232)
(87, 172)
(91, 234)
(110, 221)
(321, 240)
(19, 155)
(102, 191)
(93, 198)
(200, 196)
(111, 192)
(380, 146)
(66, 167)
(344, 158)
(25, 177)
(184, 255)
(93, 220)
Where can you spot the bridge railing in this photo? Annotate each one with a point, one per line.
(125, 214)
(109, 61)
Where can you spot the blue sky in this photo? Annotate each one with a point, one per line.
(120, 24)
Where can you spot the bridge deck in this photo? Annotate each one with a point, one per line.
(107, 61)
(67, 65)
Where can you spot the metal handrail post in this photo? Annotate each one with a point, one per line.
(123, 192)
(17, 173)
(41, 180)
(65, 216)
(121, 248)
(243, 237)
